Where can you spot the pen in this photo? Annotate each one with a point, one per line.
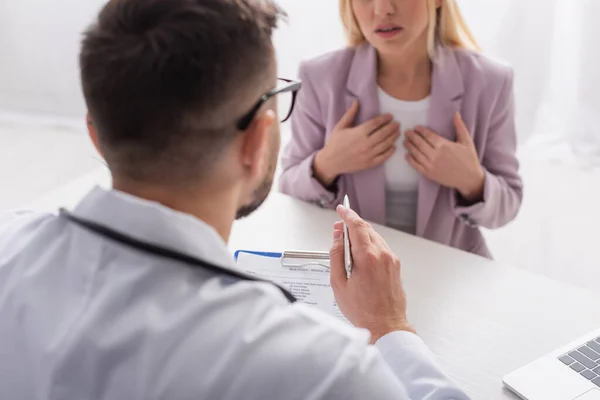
(347, 254)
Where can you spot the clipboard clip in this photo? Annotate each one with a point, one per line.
(317, 258)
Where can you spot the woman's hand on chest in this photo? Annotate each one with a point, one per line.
(355, 148)
(452, 164)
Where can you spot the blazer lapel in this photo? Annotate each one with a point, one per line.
(446, 98)
(369, 184)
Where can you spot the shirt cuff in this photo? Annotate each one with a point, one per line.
(326, 198)
(395, 343)
(470, 214)
(409, 357)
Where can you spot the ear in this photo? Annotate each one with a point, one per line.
(92, 132)
(255, 145)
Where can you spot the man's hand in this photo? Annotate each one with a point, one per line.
(373, 298)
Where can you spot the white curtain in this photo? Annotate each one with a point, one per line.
(553, 46)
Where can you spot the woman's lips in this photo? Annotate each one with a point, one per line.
(388, 31)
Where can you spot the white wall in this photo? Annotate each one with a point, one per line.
(39, 42)
(298, 39)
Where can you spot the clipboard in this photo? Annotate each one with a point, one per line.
(306, 274)
(293, 258)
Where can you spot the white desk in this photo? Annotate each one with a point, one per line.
(481, 319)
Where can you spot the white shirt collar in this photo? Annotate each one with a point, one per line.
(156, 224)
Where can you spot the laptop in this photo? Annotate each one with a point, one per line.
(569, 373)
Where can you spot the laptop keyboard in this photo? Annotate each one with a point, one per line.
(585, 360)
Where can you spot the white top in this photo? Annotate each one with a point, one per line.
(82, 317)
(402, 180)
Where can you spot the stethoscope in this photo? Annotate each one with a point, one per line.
(164, 252)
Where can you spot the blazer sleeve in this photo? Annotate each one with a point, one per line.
(503, 187)
(308, 137)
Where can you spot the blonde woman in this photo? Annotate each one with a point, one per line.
(411, 121)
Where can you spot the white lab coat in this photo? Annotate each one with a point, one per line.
(82, 317)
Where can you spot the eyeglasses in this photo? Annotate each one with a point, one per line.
(285, 91)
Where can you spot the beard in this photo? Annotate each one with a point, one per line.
(259, 196)
(262, 191)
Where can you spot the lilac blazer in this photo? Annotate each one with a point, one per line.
(463, 80)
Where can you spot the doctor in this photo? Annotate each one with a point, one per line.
(134, 295)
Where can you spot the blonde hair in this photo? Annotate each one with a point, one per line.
(446, 26)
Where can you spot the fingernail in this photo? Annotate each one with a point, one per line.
(337, 235)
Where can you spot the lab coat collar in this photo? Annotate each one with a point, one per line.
(155, 224)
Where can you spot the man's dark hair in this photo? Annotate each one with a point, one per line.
(165, 80)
